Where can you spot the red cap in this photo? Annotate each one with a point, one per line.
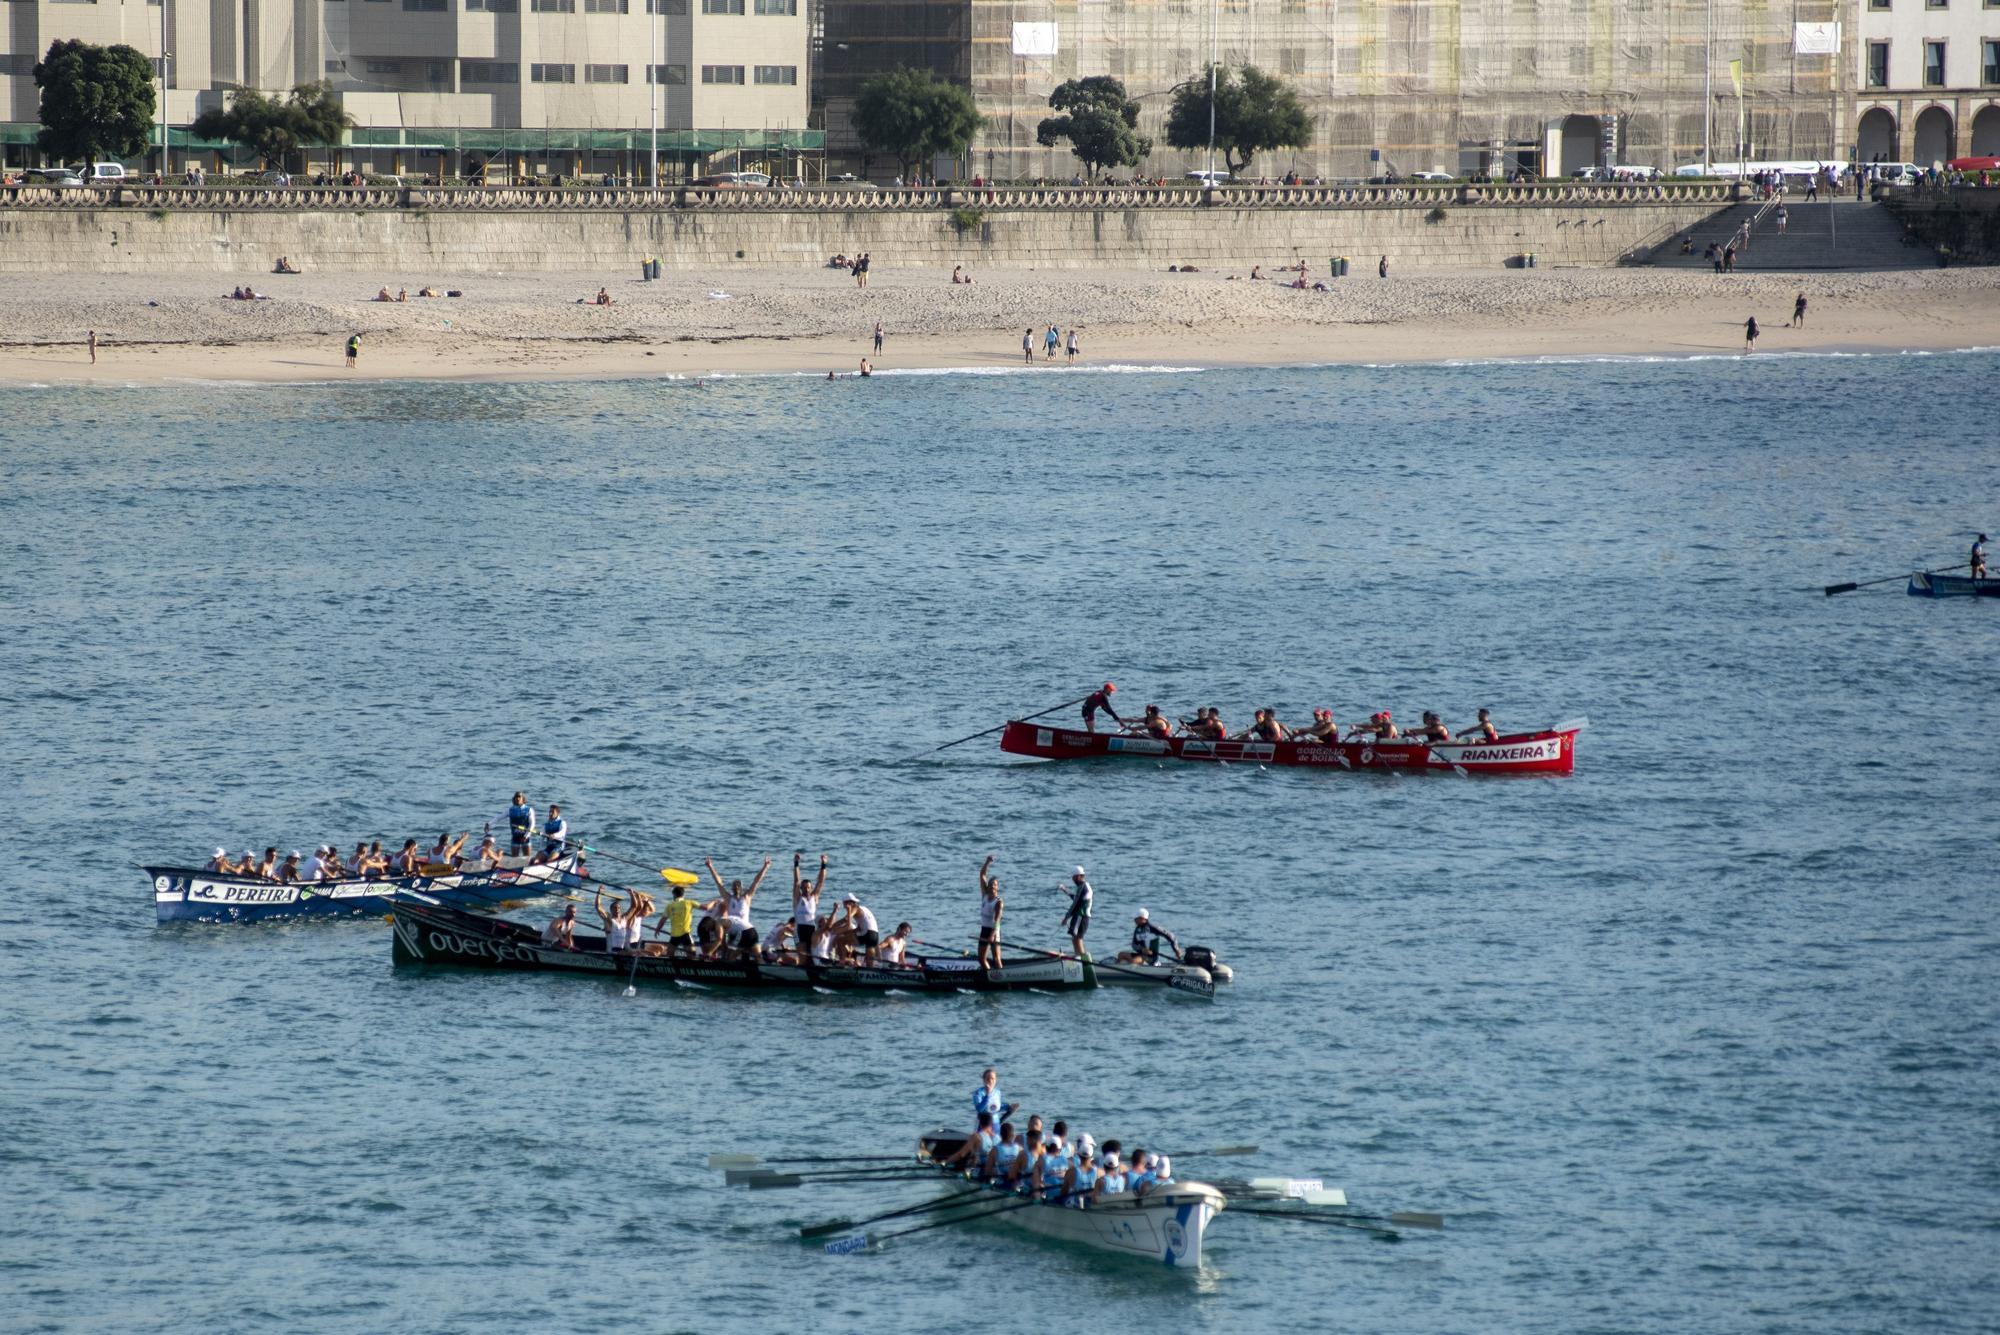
(1109, 687)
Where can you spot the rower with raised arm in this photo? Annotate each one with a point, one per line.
(805, 904)
(1432, 730)
(736, 899)
(520, 825)
(1146, 938)
(1076, 921)
(1487, 732)
(987, 1097)
(1097, 700)
(614, 923)
(991, 908)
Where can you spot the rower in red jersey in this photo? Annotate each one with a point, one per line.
(1155, 723)
(1097, 700)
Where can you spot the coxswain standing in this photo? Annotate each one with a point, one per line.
(991, 908)
(1979, 557)
(987, 1098)
(1097, 700)
(521, 825)
(1076, 922)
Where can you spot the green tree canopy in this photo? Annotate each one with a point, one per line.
(1101, 124)
(276, 128)
(912, 115)
(97, 101)
(1254, 112)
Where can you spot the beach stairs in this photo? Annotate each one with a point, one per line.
(1824, 235)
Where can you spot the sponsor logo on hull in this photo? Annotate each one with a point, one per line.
(1519, 753)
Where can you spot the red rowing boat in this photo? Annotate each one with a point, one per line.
(1550, 751)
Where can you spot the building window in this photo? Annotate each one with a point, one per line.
(554, 6)
(1878, 4)
(1291, 60)
(385, 67)
(1878, 64)
(667, 74)
(424, 4)
(721, 73)
(666, 6)
(493, 7)
(437, 71)
(607, 73)
(488, 71)
(786, 7)
(552, 73)
(606, 7)
(722, 6)
(1989, 62)
(1937, 4)
(1933, 64)
(785, 74)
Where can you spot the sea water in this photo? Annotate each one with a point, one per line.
(1702, 1037)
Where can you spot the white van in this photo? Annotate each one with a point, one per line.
(103, 171)
(1897, 173)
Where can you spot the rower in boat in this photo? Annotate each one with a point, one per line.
(1139, 1177)
(805, 903)
(1113, 1180)
(1207, 725)
(1004, 1159)
(991, 907)
(738, 933)
(1146, 938)
(486, 856)
(677, 921)
(357, 861)
(561, 931)
(867, 936)
(1082, 1179)
(444, 853)
(1076, 922)
(1487, 732)
(408, 861)
(1978, 559)
(1052, 1169)
(614, 920)
(315, 869)
(1323, 728)
(1155, 723)
(1097, 700)
(220, 864)
(555, 835)
(1431, 730)
(520, 825)
(976, 1147)
(1380, 726)
(288, 873)
(893, 947)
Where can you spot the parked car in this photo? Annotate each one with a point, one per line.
(60, 177)
(102, 171)
(1430, 176)
(736, 181)
(1208, 178)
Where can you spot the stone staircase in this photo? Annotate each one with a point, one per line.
(1827, 234)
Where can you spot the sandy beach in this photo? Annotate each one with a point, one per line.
(154, 330)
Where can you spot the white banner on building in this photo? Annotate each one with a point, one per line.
(1034, 39)
(1816, 39)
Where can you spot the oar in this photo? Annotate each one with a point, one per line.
(782, 1181)
(848, 1225)
(1851, 586)
(867, 1241)
(1301, 1217)
(751, 1160)
(737, 1177)
(674, 875)
(1178, 982)
(1373, 1222)
(1002, 728)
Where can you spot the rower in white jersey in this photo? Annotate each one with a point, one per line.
(893, 945)
(805, 904)
(736, 900)
(991, 909)
(867, 934)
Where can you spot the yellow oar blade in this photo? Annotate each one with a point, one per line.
(675, 876)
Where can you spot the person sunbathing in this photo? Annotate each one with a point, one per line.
(383, 295)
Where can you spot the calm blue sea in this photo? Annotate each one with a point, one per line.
(1703, 1038)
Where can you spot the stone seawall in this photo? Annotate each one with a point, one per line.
(416, 242)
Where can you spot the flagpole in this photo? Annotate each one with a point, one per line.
(1708, 93)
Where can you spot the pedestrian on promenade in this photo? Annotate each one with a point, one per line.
(353, 350)
(1783, 218)
(878, 338)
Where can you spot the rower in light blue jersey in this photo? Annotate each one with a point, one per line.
(971, 1156)
(988, 1099)
(555, 834)
(1006, 1154)
(1083, 1177)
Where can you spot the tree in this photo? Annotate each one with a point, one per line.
(911, 115)
(275, 128)
(1253, 113)
(1102, 126)
(97, 101)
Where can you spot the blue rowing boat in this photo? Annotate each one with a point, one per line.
(184, 894)
(1924, 584)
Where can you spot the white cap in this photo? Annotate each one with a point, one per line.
(1163, 1165)
(1077, 872)
(1085, 1145)
(295, 852)
(1142, 1160)
(1140, 914)
(850, 899)
(221, 852)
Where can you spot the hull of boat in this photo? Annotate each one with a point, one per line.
(1552, 751)
(182, 894)
(434, 934)
(1926, 585)
(1166, 1226)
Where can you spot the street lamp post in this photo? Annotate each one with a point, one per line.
(1214, 38)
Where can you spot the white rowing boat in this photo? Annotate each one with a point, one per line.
(1165, 1225)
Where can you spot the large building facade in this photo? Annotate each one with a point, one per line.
(1411, 85)
(1928, 79)
(510, 86)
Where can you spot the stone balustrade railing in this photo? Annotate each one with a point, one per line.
(852, 199)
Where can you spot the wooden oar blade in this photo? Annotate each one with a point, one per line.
(1832, 589)
(1222, 1151)
(733, 1161)
(774, 1182)
(830, 1226)
(1417, 1219)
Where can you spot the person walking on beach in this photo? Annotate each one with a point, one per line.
(1749, 336)
(353, 350)
(1050, 341)
(93, 347)
(878, 338)
(1072, 347)
(1028, 346)
(1799, 312)
(1382, 269)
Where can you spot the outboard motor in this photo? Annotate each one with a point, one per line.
(1201, 957)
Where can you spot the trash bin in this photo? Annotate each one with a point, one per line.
(652, 269)
(1343, 267)
(1531, 259)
